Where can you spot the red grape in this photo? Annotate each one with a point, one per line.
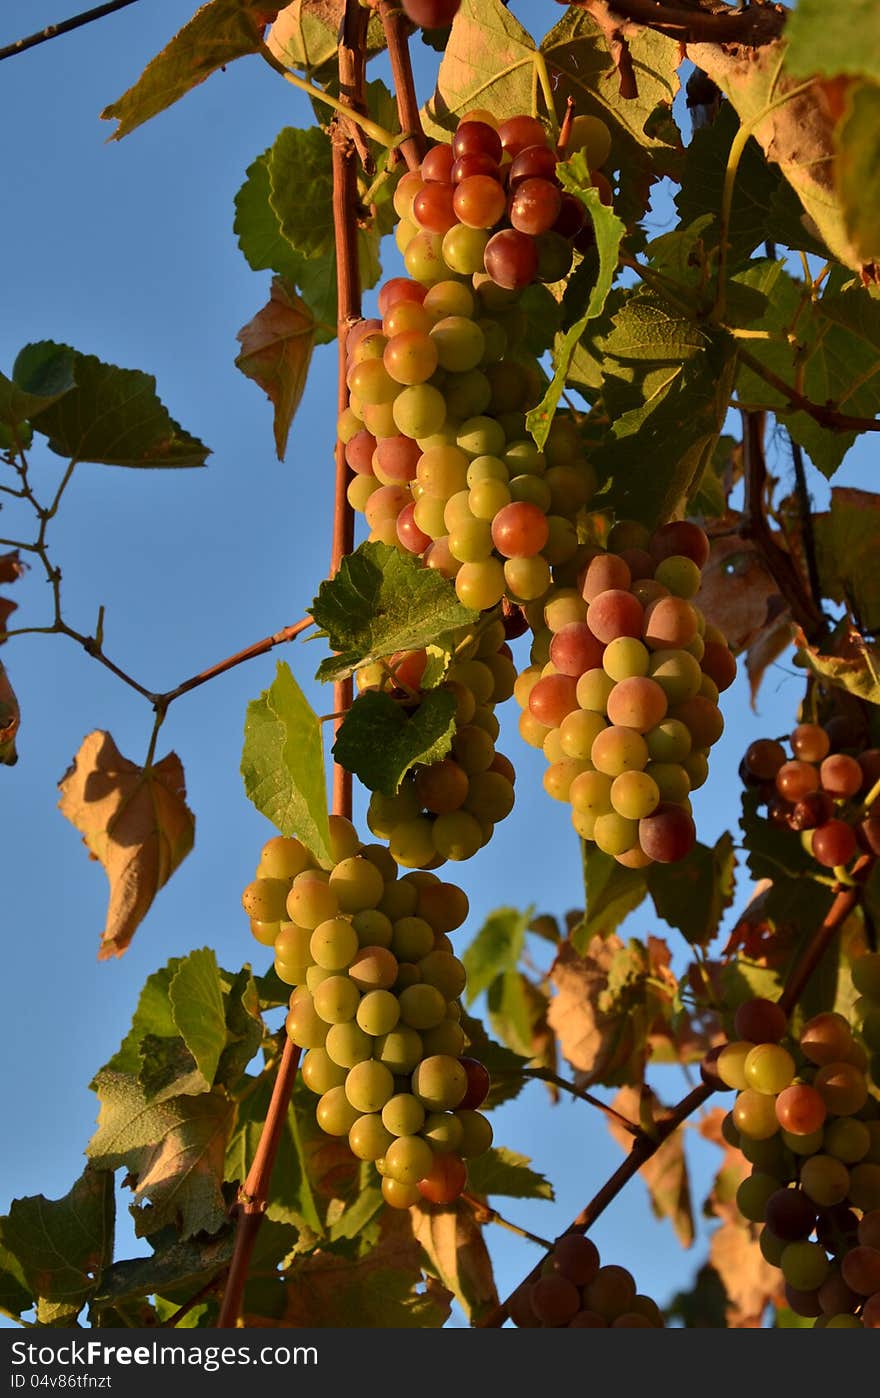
(575, 649)
(476, 138)
(552, 698)
(680, 536)
(615, 613)
(479, 1082)
(667, 835)
(519, 132)
(534, 162)
(445, 1180)
(519, 530)
(534, 206)
(400, 289)
(479, 202)
(511, 259)
(433, 208)
(841, 775)
(834, 843)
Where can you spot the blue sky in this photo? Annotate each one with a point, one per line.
(126, 251)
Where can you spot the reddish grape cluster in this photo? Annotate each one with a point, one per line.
(438, 386)
(449, 809)
(806, 1118)
(375, 1004)
(819, 790)
(576, 1292)
(622, 692)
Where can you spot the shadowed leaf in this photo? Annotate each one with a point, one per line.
(276, 350)
(665, 1174)
(379, 741)
(456, 1250)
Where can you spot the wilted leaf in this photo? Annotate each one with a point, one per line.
(750, 1282)
(276, 352)
(842, 39)
(850, 663)
(11, 568)
(135, 820)
(665, 1173)
(111, 416)
(856, 173)
(381, 601)
(61, 1246)
(282, 763)
(173, 1152)
(457, 1253)
(379, 740)
(599, 1045)
(767, 646)
(219, 32)
(9, 720)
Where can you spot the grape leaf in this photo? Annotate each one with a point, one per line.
(197, 1006)
(305, 35)
(771, 851)
(749, 1280)
(290, 1195)
(218, 33)
(846, 553)
(381, 601)
(842, 38)
(457, 1255)
(15, 1294)
(856, 170)
(282, 763)
(611, 893)
(276, 350)
(112, 416)
(304, 206)
(10, 718)
(665, 1174)
(851, 662)
(135, 820)
(42, 373)
(379, 741)
(495, 950)
(510, 1010)
(60, 1247)
(11, 569)
(575, 177)
(505, 1172)
(601, 1044)
(172, 1264)
(173, 1152)
(693, 893)
(489, 61)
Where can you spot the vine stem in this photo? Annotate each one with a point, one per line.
(822, 413)
(278, 638)
(413, 145)
(352, 69)
(646, 1145)
(377, 133)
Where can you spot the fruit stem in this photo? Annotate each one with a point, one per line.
(372, 128)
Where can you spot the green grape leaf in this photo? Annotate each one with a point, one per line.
(59, 1248)
(693, 894)
(489, 61)
(218, 33)
(645, 142)
(455, 1247)
(304, 205)
(15, 1294)
(282, 763)
(197, 1006)
(244, 1025)
(42, 373)
(655, 455)
(306, 33)
(611, 893)
(173, 1152)
(504, 1066)
(648, 327)
(111, 416)
(842, 38)
(857, 170)
(505, 1172)
(771, 852)
(379, 741)
(168, 1069)
(172, 1264)
(276, 351)
(510, 1010)
(290, 1194)
(846, 553)
(381, 601)
(357, 1221)
(742, 979)
(575, 177)
(495, 950)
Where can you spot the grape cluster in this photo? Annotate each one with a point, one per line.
(806, 1119)
(576, 1292)
(448, 809)
(622, 692)
(375, 1004)
(438, 387)
(819, 790)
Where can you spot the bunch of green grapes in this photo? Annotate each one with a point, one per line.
(622, 692)
(449, 809)
(435, 428)
(375, 1004)
(820, 790)
(576, 1292)
(807, 1117)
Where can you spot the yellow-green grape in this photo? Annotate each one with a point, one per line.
(443, 1131)
(336, 1000)
(616, 750)
(670, 741)
(378, 1012)
(804, 1266)
(347, 1044)
(422, 1007)
(477, 1133)
(357, 883)
(282, 858)
(593, 689)
(265, 899)
(730, 1064)
(397, 1195)
(490, 797)
(368, 1138)
(412, 842)
(677, 673)
(412, 938)
(315, 976)
(444, 971)
(625, 658)
(320, 1073)
(847, 1139)
(311, 900)
(447, 1038)
(439, 1082)
(265, 932)
(680, 575)
(368, 1086)
(672, 781)
(457, 835)
(754, 1113)
(292, 972)
(373, 928)
(304, 1026)
(634, 795)
(480, 585)
(400, 1050)
(333, 944)
(697, 767)
(559, 777)
(753, 1193)
(824, 1180)
(403, 1115)
(769, 1068)
(614, 834)
(590, 793)
(408, 1159)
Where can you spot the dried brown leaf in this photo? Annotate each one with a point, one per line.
(596, 1043)
(766, 647)
(737, 590)
(276, 350)
(9, 721)
(456, 1249)
(11, 568)
(666, 1173)
(749, 1280)
(135, 820)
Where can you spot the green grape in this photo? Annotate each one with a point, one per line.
(590, 793)
(804, 1266)
(593, 689)
(368, 1086)
(670, 741)
(490, 797)
(697, 767)
(423, 259)
(625, 658)
(614, 834)
(671, 779)
(422, 1006)
(463, 248)
(408, 1159)
(470, 541)
(445, 972)
(373, 928)
(754, 1113)
(769, 1068)
(825, 1180)
(399, 900)
(335, 1114)
(680, 575)
(439, 1082)
(292, 944)
(399, 1196)
(412, 842)
(311, 900)
(357, 883)
(419, 411)
(730, 1065)
(864, 1186)
(378, 1012)
(847, 1139)
(527, 578)
(481, 436)
(457, 835)
(291, 972)
(531, 490)
(320, 1073)
(315, 976)
(412, 938)
(266, 932)
(446, 1038)
(443, 1131)
(265, 899)
(753, 1193)
(634, 795)
(677, 673)
(400, 1050)
(477, 1133)
(347, 1044)
(336, 1000)
(403, 1115)
(333, 944)
(803, 1144)
(771, 1247)
(282, 858)
(459, 343)
(480, 585)
(304, 1026)
(368, 1139)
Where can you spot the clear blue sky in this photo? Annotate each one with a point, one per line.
(126, 251)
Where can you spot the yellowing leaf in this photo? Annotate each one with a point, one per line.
(737, 592)
(749, 1280)
(665, 1174)
(135, 820)
(276, 350)
(598, 1044)
(453, 1241)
